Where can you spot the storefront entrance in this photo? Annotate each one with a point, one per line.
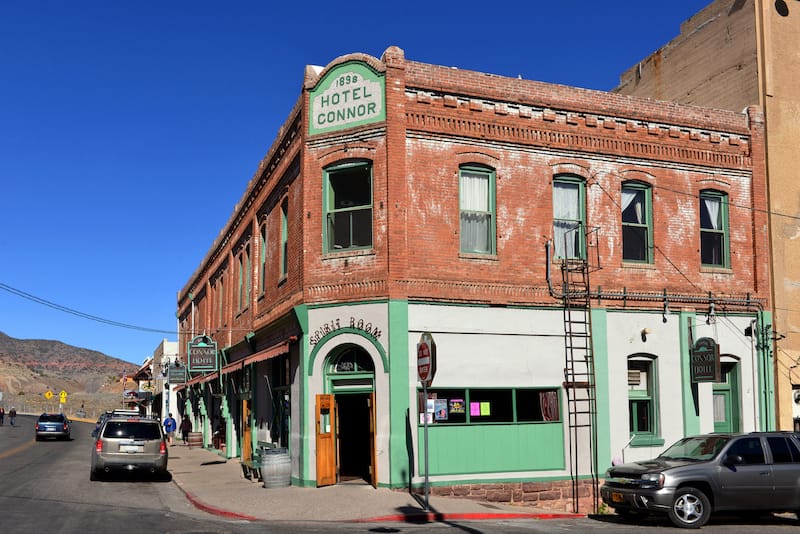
(726, 400)
(345, 421)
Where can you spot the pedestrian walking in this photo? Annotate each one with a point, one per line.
(12, 416)
(186, 427)
(170, 425)
(2, 415)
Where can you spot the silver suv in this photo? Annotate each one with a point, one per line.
(756, 472)
(128, 443)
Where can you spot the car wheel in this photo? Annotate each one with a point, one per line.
(94, 475)
(690, 508)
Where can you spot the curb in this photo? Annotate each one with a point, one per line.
(432, 517)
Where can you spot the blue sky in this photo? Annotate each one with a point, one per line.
(129, 130)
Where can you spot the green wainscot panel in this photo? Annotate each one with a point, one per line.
(467, 449)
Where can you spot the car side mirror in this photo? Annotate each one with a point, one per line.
(733, 459)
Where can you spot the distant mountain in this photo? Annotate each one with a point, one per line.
(31, 367)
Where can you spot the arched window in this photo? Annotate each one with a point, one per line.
(569, 222)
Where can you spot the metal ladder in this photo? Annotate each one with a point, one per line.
(579, 375)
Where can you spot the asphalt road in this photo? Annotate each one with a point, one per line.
(45, 487)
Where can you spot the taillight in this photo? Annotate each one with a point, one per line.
(162, 448)
(37, 426)
(65, 426)
(98, 446)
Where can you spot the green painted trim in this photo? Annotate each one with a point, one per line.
(645, 440)
(305, 437)
(400, 423)
(458, 449)
(599, 318)
(766, 372)
(347, 330)
(691, 419)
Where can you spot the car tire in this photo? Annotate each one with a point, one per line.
(690, 508)
(94, 475)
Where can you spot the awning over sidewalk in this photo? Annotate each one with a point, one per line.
(266, 354)
(202, 379)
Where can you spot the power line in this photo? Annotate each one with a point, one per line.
(81, 314)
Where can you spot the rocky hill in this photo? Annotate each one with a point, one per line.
(31, 367)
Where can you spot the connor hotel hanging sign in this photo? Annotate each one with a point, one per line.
(350, 94)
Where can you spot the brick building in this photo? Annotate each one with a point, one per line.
(567, 254)
(730, 55)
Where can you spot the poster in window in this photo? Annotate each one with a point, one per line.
(486, 409)
(457, 406)
(440, 409)
(431, 406)
(474, 408)
(422, 418)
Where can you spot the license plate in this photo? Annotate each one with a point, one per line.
(128, 448)
(617, 497)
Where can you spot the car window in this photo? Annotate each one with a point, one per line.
(749, 449)
(131, 429)
(51, 418)
(783, 450)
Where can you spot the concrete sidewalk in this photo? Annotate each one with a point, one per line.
(218, 486)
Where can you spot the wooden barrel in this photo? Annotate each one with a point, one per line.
(276, 468)
(195, 439)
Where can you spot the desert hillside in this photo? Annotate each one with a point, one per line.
(31, 367)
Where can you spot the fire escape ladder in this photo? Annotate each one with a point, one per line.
(579, 376)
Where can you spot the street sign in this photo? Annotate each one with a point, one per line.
(426, 358)
(63, 394)
(48, 394)
(423, 361)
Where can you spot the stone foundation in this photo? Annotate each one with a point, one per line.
(554, 496)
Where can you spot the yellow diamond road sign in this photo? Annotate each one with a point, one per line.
(48, 394)
(63, 394)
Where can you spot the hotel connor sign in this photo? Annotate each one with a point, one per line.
(350, 94)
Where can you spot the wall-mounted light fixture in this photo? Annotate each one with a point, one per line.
(645, 331)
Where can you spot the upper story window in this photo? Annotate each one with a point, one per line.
(637, 228)
(262, 258)
(284, 237)
(477, 208)
(714, 228)
(243, 278)
(568, 217)
(347, 206)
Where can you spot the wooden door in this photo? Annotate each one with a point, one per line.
(373, 466)
(326, 447)
(247, 432)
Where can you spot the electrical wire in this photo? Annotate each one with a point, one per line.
(59, 307)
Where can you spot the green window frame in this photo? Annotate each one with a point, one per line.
(477, 189)
(643, 410)
(347, 207)
(262, 259)
(476, 406)
(243, 264)
(569, 217)
(637, 223)
(284, 238)
(714, 231)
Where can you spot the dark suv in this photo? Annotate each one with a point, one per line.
(129, 443)
(53, 425)
(756, 472)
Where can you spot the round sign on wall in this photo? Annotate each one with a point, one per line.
(424, 361)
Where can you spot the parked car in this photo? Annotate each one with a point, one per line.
(53, 425)
(129, 443)
(755, 472)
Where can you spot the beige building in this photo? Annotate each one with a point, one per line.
(732, 54)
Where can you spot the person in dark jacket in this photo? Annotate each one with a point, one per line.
(186, 427)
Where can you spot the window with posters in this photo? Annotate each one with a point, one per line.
(489, 405)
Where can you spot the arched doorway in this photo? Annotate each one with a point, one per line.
(346, 419)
